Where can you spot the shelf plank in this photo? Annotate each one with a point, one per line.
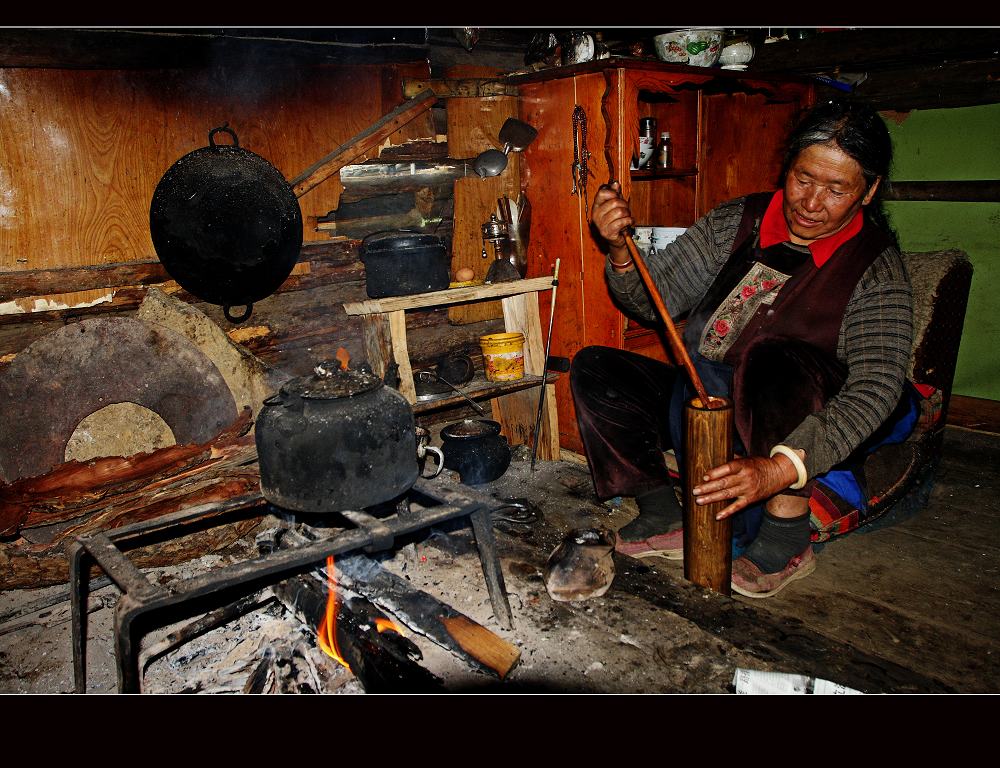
(449, 296)
(481, 389)
(649, 175)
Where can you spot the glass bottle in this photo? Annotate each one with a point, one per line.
(664, 152)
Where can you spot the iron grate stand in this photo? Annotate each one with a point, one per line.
(142, 599)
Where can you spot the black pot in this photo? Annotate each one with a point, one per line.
(476, 450)
(226, 225)
(402, 263)
(338, 440)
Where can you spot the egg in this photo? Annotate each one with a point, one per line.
(465, 274)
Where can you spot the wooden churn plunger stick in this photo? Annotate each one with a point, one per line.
(708, 443)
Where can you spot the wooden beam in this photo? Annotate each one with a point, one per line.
(466, 87)
(974, 413)
(986, 191)
(42, 282)
(867, 49)
(196, 48)
(364, 142)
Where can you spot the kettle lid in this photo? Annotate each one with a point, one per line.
(330, 381)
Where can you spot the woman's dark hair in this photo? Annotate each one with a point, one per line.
(858, 130)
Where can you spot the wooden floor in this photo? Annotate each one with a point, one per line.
(924, 592)
(913, 606)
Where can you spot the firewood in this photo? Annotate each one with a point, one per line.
(423, 613)
(384, 662)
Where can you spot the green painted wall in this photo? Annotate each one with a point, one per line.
(947, 145)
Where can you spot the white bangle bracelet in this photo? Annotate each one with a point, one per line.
(800, 468)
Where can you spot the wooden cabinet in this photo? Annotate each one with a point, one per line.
(727, 130)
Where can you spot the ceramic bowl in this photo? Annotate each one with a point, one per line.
(736, 56)
(698, 47)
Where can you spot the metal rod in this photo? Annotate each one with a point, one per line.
(676, 345)
(545, 366)
(431, 374)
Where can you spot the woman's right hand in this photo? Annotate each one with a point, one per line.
(610, 214)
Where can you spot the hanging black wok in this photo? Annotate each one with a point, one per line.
(226, 225)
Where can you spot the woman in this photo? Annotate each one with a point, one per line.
(799, 310)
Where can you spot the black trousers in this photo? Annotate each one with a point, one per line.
(630, 408)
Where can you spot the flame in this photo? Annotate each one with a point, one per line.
(383, 624)
(344, 357)
(326, 634)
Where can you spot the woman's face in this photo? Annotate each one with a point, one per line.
(824, 189)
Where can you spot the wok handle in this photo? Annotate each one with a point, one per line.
(227, 311)
(224, 128)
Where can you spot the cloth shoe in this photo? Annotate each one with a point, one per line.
(749, 581)
(669, 546)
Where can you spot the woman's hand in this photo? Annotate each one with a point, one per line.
(746, 481)
(610, 214)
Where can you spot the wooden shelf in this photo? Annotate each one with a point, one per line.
(480, 389)
(650, 174)
(513, 406)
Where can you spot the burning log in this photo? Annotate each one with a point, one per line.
(423, 613)
(354, 632)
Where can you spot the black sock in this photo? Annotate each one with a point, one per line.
(659, 512)
(780, 539)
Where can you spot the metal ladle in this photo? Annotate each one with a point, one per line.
(515, 136)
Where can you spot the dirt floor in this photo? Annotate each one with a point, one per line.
(910, 607)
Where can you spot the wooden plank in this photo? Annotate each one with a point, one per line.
(448, 296)
(378, 343)
(397, 333)
(457, 87)
(371, 179)
(520, 314)
(363, 142)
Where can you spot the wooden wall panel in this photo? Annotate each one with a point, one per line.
(473, 125)
(742, 145)
(82, 151)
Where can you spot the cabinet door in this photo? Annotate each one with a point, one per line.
(560, 226)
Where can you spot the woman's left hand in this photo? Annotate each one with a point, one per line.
(745, 481)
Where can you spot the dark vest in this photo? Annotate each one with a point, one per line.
(809, 307)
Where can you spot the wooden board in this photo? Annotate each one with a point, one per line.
(742, 146)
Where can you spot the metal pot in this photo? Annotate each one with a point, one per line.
(401, 263)
(334, 441)
(476, 450)
(226, 225)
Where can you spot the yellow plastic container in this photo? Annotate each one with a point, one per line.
(503, 354)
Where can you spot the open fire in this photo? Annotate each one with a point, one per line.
(326, 633)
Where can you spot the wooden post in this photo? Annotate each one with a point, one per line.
(708, 442)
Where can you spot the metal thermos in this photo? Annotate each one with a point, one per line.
(647, 141)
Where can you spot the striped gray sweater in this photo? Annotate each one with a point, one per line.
(875, 339)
